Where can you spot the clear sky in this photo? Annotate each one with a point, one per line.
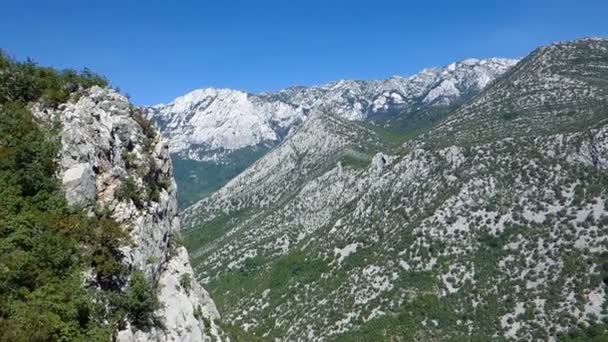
(158, 50)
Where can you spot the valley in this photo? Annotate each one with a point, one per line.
(217, 133)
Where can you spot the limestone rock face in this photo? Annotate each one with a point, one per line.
(79, 185)
(381, 160)
(106, 143)
(185, 310)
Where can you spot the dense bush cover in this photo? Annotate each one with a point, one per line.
(25, 81)
(46, 246)
(140, 302)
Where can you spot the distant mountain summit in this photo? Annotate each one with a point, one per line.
(208, 123)
(215, 132)
(360, 100)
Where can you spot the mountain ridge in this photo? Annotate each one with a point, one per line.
(222, 131)
(438, 85)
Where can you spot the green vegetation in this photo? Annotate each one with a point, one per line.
(147, 126)
(153, 184)
(185, 281)
(282, 273)
(355, 160)
(592, 333)
(24, 82)
(199, 237)
(130, 191)
(297, 266)
(130, 159)
(237, 334)
(140, 302)
(45, 245)
(196, 179)
(154, 181)
(397, 130)
(408, 323)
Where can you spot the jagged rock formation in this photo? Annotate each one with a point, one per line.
(106, 143)
(397, 96)
(491, 225)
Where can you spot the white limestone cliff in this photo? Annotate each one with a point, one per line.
(105, 142)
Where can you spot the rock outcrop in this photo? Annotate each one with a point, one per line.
(113, 160)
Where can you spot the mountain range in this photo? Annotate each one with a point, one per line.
(487, 222)
(464, 203)
(214, 134)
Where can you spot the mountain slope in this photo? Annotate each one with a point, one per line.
(558, 88)
(323, 139)
(462, 233)
(219, 120)
(207, 123)
(220, 132)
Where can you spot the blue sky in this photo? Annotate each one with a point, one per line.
(157, 50)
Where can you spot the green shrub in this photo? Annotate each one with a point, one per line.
(26, 82)
(251, 265)
(355, 160)
(129, 190)
(140, 301)
(105, 238)
(154, 181)
(130, 159)
(593, 333)
(239, 335)
(146, 125)
(152, 178)
(185, 281)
